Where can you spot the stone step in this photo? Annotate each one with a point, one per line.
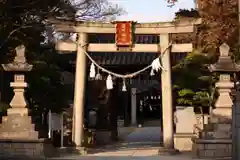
(217, 120)
(215, 148)
(223, 127)
(12, 134)
(16, 119)
(208, 127)
(207, 135)
(21, 123)
(222, 135)
(16, 127)
(18, 124)
(217, 126)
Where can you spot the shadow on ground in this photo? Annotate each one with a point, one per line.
(124, 146)
(113, 157)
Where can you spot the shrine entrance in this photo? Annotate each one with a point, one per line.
(125, 34)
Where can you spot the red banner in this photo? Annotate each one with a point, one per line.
(124, 33)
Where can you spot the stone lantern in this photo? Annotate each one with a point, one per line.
(217, 139)
(17, 130)
(19, 66)
(225, 66)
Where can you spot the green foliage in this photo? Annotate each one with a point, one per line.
(46, 90)
(185, 96)
(3, 107)
(193, 81)
(220, 24)
(184, 13)
(202, 98)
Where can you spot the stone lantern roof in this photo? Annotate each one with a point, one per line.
(19, 63)
(224, 63)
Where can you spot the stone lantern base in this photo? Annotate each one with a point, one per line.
(216, 138)
(18, 138)
(27, 149)
(215, 141)
(212, 148)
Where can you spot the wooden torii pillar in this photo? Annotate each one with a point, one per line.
(163, 29)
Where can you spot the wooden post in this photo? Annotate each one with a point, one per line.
(166, 83)
(113, 98)
(125, 97)
(133, 106)
(79, 92)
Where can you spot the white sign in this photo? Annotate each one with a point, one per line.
(56, 121)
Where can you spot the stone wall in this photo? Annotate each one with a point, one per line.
(212, 149)
(26, 148)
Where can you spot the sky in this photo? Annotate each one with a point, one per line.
(150, 10)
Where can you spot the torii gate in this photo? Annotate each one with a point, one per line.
(163, 29)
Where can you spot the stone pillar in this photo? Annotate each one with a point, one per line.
(166, 83)
(133, 106)
(79, 93)
(223, 105)
(18, 102)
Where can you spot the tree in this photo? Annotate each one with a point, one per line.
(97, 10)
(219, 25)
(23, 22)
(193, 68)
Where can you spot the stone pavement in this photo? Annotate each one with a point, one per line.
(128, 153)
(140, 144)
(144, 135)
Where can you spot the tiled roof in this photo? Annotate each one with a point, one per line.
(127, 58)
(143, 38)
(130, 58)
(116, 58)
(123, 58)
